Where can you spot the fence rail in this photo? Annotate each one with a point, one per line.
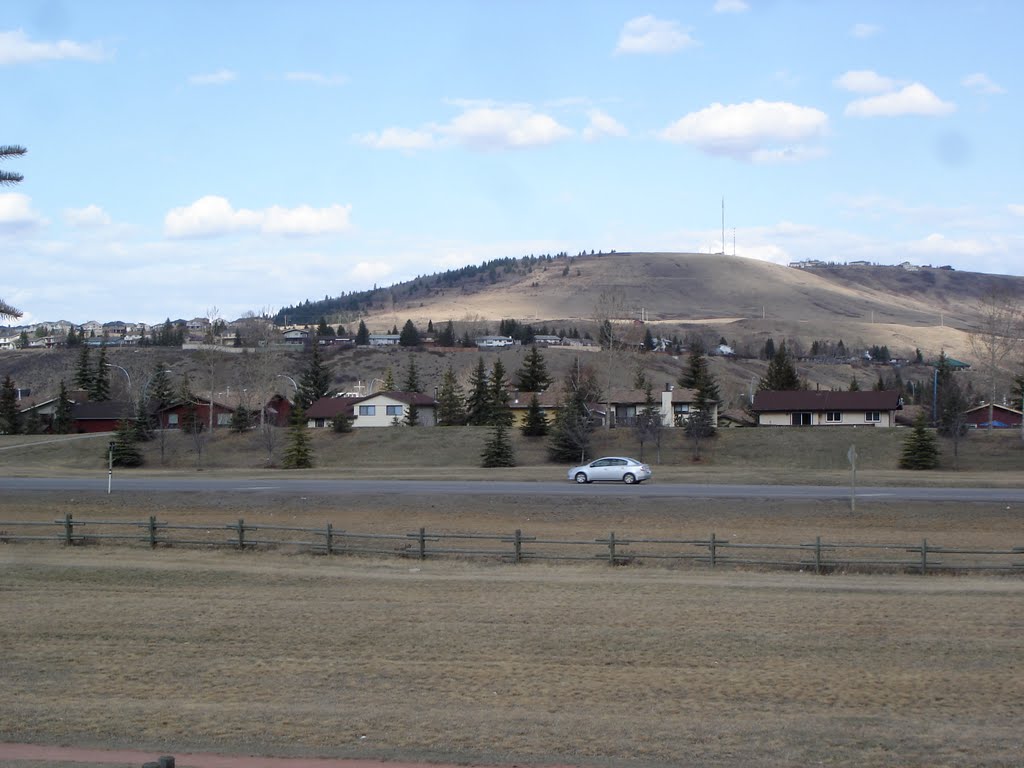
(817, 556)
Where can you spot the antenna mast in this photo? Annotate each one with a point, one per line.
(723, 225)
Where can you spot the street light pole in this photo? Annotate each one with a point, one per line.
(127, 376)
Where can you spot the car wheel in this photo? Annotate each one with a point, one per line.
(581, 478)
(629, 478)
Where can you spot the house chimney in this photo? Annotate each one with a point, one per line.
(668, 386)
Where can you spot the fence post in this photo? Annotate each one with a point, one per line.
(330, 535)
(519, 545)
(611, 548)
(423, 543)
(152, 531)
(69, 529)
(241, 533)
(817, 555)
(924, 556)
(712, 547)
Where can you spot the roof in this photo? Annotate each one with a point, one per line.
(995, 406)
(329, 407)
(822, 400)
(409, 398)
(101, 410)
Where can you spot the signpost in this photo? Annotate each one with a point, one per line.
(851, 456)
(110, 466)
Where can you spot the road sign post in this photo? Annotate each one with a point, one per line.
(110, 466)
(851, 456)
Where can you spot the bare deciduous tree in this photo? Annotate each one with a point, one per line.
(996, 341)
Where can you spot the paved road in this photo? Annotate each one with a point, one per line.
(441, 488)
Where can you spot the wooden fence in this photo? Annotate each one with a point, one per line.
(818, 556)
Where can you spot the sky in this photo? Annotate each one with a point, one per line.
(188, 158)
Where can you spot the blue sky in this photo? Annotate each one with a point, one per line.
(185, 156)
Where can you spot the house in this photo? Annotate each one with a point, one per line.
(545, 340)
(549, 402)
(491, 342)
(805, 408)
(383, 408)
(295, 336)
(1003, 417)
(383, 339)
(322, 413)
(89, 416)
(175, 415)
(380, 409)
(674, 406)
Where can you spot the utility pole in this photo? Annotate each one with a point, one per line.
(723, 225)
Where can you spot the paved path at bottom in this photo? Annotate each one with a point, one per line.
(38, 752)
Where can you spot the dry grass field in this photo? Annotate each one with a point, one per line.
(275, 654)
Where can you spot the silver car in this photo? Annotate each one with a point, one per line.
(618, 469)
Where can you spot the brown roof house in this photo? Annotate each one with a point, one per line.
(1003, 417)
(813, 408)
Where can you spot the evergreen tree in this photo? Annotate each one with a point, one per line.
(533, 375)
(241, 420)
(341, 424)
(497, 387)
(697, 376)
(315, 381)
(854, 386)
(412, 379)
(83, 370)
(451, 401)
(72, 339)
(341, 332)
(649, 343)
(447, 336)
(125, 452)
(769, 349)
(299, 452)
(478, 403)
(10, 415)
(322, 328)
(362, 335)
(62, 415)
(647, 427)
(781, 375)
(100, 389)
(920, 450)
(389, 380)
(159, 389)
(412, 415)
(536, 422)
(410, 336)
(498, 450)
(142, 423)
(570, 434)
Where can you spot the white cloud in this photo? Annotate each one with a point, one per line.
(731, 6)
(220, 77)
(306, 220)
(646, 34)
(940, 245)
(862, 31)
(91, 216)
(376, 271)
(16, 48)
(914, 99)
(602, 124)
(316, 78)
(757, 131)
(398, 138)
(504, 127)
(214, 216)
(865, 81)
(980, 82)
(16, 213)
(1017, 209)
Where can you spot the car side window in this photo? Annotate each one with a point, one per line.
(600, 463)
(619, 462)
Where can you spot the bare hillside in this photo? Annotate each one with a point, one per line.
(744, 300)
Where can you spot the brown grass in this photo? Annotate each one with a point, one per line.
(266, 653)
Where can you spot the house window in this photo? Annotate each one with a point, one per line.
(223, 419)
(172, 419)
(802, 419)
(393, 410)
(367, 410)
(873, 416)
(833, 416)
